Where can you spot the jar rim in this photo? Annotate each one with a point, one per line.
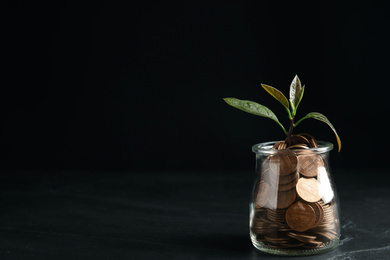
(266, 148)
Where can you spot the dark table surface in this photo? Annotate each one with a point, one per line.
(167, 215)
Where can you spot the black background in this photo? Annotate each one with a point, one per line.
(138, 85)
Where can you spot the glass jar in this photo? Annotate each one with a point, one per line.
(294, 207)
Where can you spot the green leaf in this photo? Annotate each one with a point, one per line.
(322, 118)
(277, 95)
(253, 108)
(295, 93)
(299, 100)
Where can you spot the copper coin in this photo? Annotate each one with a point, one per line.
(265, 164)
(281, 199)
(319, 213)
(298, 146)
(312, 140)
(327, 236)
(298, 139)
(278, 180)
(262, 195)
(314, 245)
(283, 164)
(300, 216)
(277, 238)
(288, 186)
(265, 176)
(301, 237)
(309, 164)
(288, 178)
(282, 146)
(286, 198)
(308, 189)
(276, 215)
(278, 145)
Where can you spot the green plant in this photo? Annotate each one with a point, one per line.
(291, 105)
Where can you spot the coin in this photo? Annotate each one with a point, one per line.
(300, 216)
(280, 182)
(262, 195)
(283, 164)
(298, 139)
(290, 185)
(278, 145)
(309, 164)
(307, 189)
(287, 179)
(277, 238)
(261, 225)
(260, 238)
(301, 237)
(281, 199)
(265, 176)
(276, 215)
(319, 213)
(327, 236)
(312, 140)
(314, 244)
(286, 198)
(298, 146)
(282, 145)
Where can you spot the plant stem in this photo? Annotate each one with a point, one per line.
(300, 120)
(290, 131)
(284, 130)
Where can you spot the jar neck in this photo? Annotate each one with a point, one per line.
(267, 149)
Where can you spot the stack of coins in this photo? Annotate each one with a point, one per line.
(294, 200)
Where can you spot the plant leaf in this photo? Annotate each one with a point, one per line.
(322, 118)
(295, 92)
(253, 108)
(276, 94)
(299, 100)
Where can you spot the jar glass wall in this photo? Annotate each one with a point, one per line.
(294, 205)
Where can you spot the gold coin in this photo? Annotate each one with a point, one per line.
(310, 164)
(308, 190)
(300, 216)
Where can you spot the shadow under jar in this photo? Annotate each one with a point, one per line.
(294, 207)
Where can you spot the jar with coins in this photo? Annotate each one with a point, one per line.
(294, 207)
